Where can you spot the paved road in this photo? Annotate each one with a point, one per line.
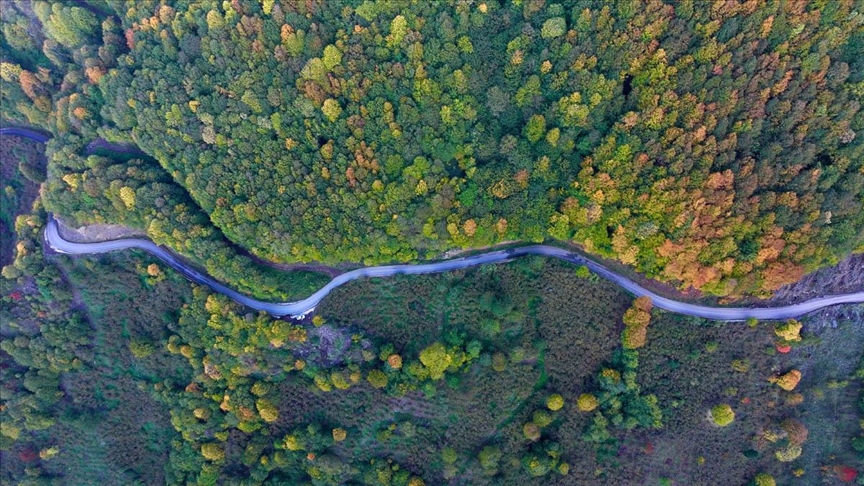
(302, 307)
(306, 305)
(30, 133)
(94, 146)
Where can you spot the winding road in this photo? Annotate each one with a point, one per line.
(303, 307)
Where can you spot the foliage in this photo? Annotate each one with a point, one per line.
(764, 479)
(587, 402)
(636, 321)
(714, 148)
(555, 402)
(621, 402)
(722, 414)
(788, 381)
(789, 331)
(789, 454)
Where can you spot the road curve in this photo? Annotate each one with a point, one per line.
(30, 133)
(303, 307)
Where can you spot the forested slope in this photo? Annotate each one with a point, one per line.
(713, 145)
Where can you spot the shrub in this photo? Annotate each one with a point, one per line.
(722, 415)
(587, 402)
(555, 402)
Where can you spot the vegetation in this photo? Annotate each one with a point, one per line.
(22, 168)
(712, 147)
(722, 414)
(246, 394)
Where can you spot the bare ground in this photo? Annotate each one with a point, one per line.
(93, 233)
(845, 277)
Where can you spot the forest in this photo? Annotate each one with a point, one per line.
(715, 147)
(712, 146)
(526, 373)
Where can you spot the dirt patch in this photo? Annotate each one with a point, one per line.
(843, 278)
(94, 233)
(290, 267)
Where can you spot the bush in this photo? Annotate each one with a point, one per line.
(723, 415)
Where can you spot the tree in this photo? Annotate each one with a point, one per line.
(339, 434)
(587, 402)
(127, 194)
(535, 129)
(531, 431)
(787, 381)
(554, 27)
(213, 451)
(267, 410)
(436, 359)
(331, 109)
(722, 414)
(377, 378)
(764, 479)
(489, 458)
(789, 331)
(634, 337)
(636, 320)
(555, 402)
(796, 431)
(332, 57)
(788, 454)
(394, 361)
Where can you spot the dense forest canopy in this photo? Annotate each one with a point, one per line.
(716, 145)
